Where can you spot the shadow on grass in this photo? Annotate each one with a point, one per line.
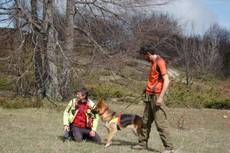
(63, 139)
(60, 137)
(118, 142)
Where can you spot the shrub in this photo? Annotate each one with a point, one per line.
(108, 90)
(221, 104)
(5, 83)
(20, 102)
(195, 96)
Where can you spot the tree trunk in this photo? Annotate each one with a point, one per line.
(38, 64)
(18, 51)
(67, 48)
(52, 85)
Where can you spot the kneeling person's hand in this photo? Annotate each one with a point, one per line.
(66, 128)
(92, 133)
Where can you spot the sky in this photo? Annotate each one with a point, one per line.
(196, 16)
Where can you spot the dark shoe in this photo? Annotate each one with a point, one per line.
(140, 146)
(66, 137)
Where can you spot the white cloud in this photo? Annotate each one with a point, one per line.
(193, 15)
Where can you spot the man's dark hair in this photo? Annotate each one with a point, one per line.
(147, 49)
(84, 92)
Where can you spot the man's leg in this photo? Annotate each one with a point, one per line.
(146, 126)
(162, 125)
(77, 133)
(96, 138)
(85, 132)
(67, 135)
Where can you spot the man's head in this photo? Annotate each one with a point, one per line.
(147, 51)
(82, 94)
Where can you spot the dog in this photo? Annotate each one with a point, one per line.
(115, 122)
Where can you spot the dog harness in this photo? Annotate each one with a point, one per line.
(116, 119)
(122, 120)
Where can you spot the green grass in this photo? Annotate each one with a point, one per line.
(221, 104)
(200, 95)
(210, 93)
(204, 92)
(20, 102)
(109, 90)
(39, 130)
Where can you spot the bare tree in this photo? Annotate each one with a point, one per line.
(38, 60)
(207, 57)
(53, 56)
(19, 51)
(202, 55)
(67, 48)
(52, 84)
(158, 30)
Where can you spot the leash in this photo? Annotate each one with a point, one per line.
(131, 103)
(151, 105)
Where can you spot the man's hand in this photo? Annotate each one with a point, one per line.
(144, 91)
(92, 133)
(159, 101)
(66, 128)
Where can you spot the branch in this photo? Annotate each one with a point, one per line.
(7, 9)
(92, 40)
(28, 17)
(6, 2)
(85, 1)
(108, 11)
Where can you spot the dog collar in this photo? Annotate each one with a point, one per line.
(104, 111)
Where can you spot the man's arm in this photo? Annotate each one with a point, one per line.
(67, 113)
(163, 91)
(95, 120)
(96, 117)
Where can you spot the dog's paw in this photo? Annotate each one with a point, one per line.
(107, 145)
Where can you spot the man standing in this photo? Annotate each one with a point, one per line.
(155, 109)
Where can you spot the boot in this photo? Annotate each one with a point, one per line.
(140, 146)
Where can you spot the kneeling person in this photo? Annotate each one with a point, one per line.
(79, 121)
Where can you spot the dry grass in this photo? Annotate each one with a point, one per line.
(40, 130)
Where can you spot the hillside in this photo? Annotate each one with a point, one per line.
(122, 76)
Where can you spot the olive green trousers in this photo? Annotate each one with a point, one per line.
(159, 116)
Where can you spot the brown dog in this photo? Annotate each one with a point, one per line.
(115, 122)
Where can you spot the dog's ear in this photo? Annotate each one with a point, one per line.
(100, 101)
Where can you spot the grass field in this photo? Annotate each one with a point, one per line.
(40, 131)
